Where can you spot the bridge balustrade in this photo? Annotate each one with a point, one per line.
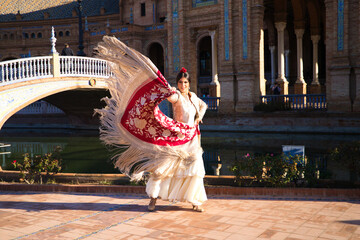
(83, 66)
(44, 67)
(25, 69)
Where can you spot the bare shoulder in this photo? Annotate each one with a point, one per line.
(193, 95)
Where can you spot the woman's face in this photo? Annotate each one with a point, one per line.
(183, 85)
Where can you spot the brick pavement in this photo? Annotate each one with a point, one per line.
(42, 215)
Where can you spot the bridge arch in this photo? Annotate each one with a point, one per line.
(14, 99)
(25, 81)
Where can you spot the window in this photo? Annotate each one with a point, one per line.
(39, 35)
(67, 33)
(26, 35)
(33, 35)
(143, 12)
(61, 34)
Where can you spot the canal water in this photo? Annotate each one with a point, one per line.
(84, 153)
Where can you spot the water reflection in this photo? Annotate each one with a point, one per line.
(221, 149)
(84, 153)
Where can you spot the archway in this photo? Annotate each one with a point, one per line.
(156, 55)
(204, 66)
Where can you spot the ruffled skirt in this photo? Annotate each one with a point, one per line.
(186, 185)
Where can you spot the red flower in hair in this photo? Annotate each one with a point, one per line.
(183, 70)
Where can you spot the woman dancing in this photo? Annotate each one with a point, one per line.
(186, 185)
(167, 149)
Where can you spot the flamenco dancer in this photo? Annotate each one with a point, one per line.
(168, 150)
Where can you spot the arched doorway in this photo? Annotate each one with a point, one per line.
(156, 55)
(204, 66)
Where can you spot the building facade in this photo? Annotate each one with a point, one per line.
(234, 49)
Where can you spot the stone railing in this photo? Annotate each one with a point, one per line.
(298, 101)
(212, 102)
(83, 66)
(24, 69)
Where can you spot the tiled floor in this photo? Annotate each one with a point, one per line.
(40, 215)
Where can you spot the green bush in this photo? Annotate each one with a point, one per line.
(31, 169)
(311, 174)
(283, 170)
(348, 155)
(248, 165)
(269, 169)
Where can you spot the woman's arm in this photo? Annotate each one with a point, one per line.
(202, 109)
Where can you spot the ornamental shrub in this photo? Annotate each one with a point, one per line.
(31, 168)
(248, 165)
(269, 169)
(348, 155)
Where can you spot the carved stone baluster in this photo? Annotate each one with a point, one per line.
(2, 74)
(6, 73)
(38, 67)
(26, 69)
(31, 68)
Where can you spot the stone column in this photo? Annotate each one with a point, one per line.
(300, 85)
(287, 65)
(280, 26)
(315, 87)
(272, 55)
(214, 85)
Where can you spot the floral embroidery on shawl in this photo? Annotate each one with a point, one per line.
(144, 120)
(131, 120)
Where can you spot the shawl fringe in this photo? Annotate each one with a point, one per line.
(130, 69)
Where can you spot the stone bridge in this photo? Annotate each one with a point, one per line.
(27, 80)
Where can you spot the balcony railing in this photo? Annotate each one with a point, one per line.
(212, 102)
(298, 101)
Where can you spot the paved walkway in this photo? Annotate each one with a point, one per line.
(40, 215)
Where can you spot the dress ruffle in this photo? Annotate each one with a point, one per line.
(179, 188)
(186, 185)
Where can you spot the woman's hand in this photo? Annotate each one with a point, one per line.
(174, 97)
(198, 121)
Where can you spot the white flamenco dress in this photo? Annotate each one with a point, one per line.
(150, 142)
(186, 184)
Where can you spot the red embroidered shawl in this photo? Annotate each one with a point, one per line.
(131, 120)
